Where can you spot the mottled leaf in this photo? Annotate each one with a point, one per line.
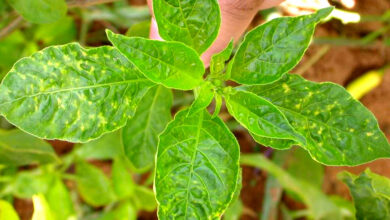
(371, 195)
(7, 211)
(204, 98)
(93, 186)
(197, 167)
(319, 205)
(194, 22)
(171, 64)
(279, 144)
(274, 48)
(106, 147)
(339, 130)
(40, 11)
(140, 135)
(260, 116)
(18, 148)
(71, 93)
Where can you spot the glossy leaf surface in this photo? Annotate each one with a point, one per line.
(40, 11)
(260, 116)
(274, 48)
(204, 98)
(93, 186)
(217, 63)
(197, 168)
(339, 130)
(193, 22)
(371, 194)
(18, 148)
(171, 64)
(71, 93)
(140, 135)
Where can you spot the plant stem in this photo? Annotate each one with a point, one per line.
(11, 27)
(86, 3)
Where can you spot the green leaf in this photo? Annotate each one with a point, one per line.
(319, 205)
(260, 116)
(7, 211)
(71, 93)
(40, 11)
(29, 183)
(106, 147)
(195, 22)
(61, 32)
(59, 200)
(140, 135)
(279, 144)
(171, 64)
(204, 98)
(140, 29)
(18, 148)
(42, 210)
(93, 186)
(197, 167)
(339, 130)
(122, 180)
(274, 48)
(217, 63)
(124, 211)
(144, 199)
(371, 194)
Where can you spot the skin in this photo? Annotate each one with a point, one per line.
(236, 16)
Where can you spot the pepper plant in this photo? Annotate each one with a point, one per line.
(78, 94)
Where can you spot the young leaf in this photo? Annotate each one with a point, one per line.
(217, 63)
(140, 135)
(171, 64)
(93, 186)
(204, 98)
(260, 117)
(18, 148)
(71, 93)
(371, 194)
(319, 205)
(59, 200)
(106, 147)
(339, 130)
(195, 22)
(197, 167)
(274, 48)
(7, 211)
(122, 180)
(40, 11)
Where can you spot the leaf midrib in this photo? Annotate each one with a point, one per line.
(75, 89)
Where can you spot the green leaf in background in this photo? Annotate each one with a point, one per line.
(61, 32)
(141, 29)
(260, 116)
(59, 200)
(7, 211)
(18, 148)
(197, 167)
(140, 135)
(28, 183)
(94, 187)
(274, 48)
(171, 64)
(42, 210)
(71, 93)
(371, 194)
(121, 179)
(339, 130)
(195, 22)
(124, 211)
(144, 198)
(106, 147)
(319, 205)
(217, 63)
(40, 11)
(204, 98)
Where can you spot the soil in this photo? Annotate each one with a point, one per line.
(340, 64)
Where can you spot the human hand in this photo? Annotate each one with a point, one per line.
(236, 16)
